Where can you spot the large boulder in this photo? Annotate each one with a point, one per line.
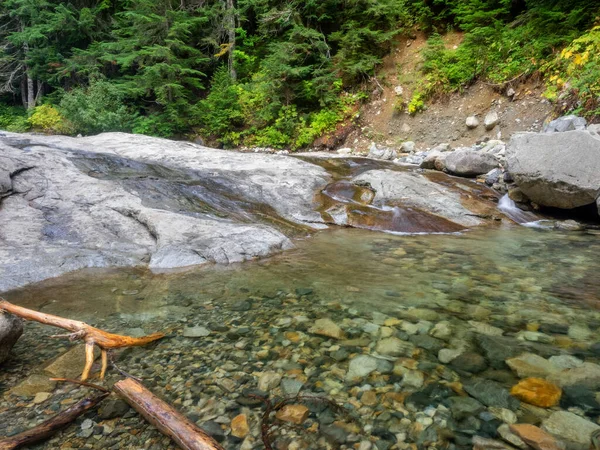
(126, 200)
(560, 169)
(11, 329)
(565, 123)
(470, 163)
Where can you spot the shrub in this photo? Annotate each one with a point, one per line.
(48, 119)
(97, 108)
(574, 75)
(13, 118)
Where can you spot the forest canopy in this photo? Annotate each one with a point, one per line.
(266, 72)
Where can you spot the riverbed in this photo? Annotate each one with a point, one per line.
(397, 312)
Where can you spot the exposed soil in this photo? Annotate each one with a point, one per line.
(444, 118)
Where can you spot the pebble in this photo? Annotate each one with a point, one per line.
(239, 426)
(293, 413)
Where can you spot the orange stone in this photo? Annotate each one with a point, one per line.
(239, 426)
(292, 336)
(293, 413)
(537, 391)
(535, 437)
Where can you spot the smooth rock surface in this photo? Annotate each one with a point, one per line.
(569, 427)
(414, 190)
(124, 200)
(560, 170)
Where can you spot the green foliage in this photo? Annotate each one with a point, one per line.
(416, 104)
(13, 118)
(97, 108)
(48, 119)
(157, 66)
(574, 76)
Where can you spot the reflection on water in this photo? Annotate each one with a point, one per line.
(504, 267)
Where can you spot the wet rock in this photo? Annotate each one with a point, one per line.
(510, 437)
(472, 122)
(214, 430)
(112, 408)
(427, 342)
(32, 385)
(574, 430)
(193, 332)
(481, 443)
(531, 365)
(296, 414)
(469, 362)
(432, 395)
(565, 123)
(565, 361)
(11, 329)
(580, 397)
(497, 349)
(393, 346)
(491, 120)
(560, 170)
(537, 391)
(491, 393)
(485, 328)
(587, 375)
(415, 190)
(441, 330)
(269, 381)
(469, 163)
(446, 355)
(463, 407)
(239, 426)
(328, 328)
(360, 366)
(536, 437)
(41, 397)
(579, 332)
(291, 387)
(413, 379)
(334, 434)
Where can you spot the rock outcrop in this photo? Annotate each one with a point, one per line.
(413, 190)
(11, 329)
(122, 200)
(556, 169)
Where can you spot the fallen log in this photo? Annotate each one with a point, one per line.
(81, 330)
(46, 429)
(164, 417)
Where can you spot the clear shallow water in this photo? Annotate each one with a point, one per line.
(507, 267)
(512, 279)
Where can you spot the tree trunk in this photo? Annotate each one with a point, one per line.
(46, 429)
(30, 91)
(164, 417)
(24, 92)
(231, 37)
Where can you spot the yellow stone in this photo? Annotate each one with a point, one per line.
(239, 426)
(369, 398)
(537, 392)
(292, 336)
(533, 326)
(391, 322)
(293, 413)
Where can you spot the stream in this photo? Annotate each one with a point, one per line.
(415, 322)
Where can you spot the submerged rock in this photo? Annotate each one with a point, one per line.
(575, 430)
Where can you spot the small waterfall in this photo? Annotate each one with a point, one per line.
(510, 208)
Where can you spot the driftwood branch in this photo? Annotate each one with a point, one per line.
(164, 417)
(52, 425)
(81, 330)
